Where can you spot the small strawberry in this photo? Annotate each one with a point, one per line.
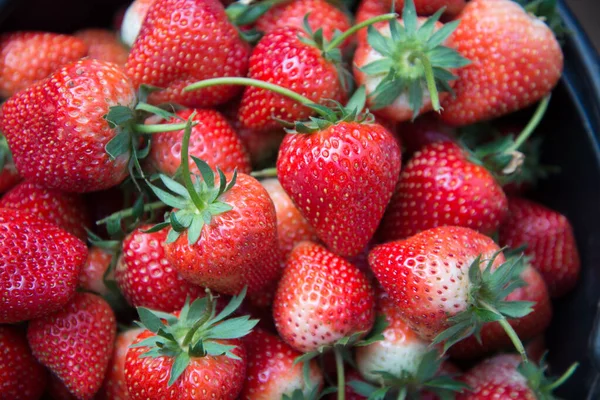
(104, 45)
(194, 354)
(549, 240)
(76, 343)
(66, 210)
(441, 186)
(146, 278)
(28, 57)
(516, 61)
(94, 269)
(133, 19)
(9, 176)
(269, 356)
(213, 140)
(448, 281)
(21, 376)
(30, 251)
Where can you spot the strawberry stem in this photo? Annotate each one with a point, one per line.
(128, 212)
(532, 125)
(339, 366)
(430, 79)
(335, 42)
(159, 128)
(508, 329)
(265, 173)
(564, 377)
(185, 166)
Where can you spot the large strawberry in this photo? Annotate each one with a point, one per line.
(549, 240)
(104, 45)
(448, 281)
(21, 376)
(27, 57)
(182, 41)
(196, 353)
(76, 343)
(516, 60)
(39, 266)
(66, 210)
(441, 186)
(133, 19)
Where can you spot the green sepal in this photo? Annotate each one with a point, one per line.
(5, 154)
(539, 382)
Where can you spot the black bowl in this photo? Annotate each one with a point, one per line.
(572, 142)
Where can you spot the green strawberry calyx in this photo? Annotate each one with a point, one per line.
(486, 302)
(198, 331)
(413, 58)
(5, 154)
(539, 383)
(244, 13)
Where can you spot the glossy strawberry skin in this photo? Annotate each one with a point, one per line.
(57, 132)
(146, 278)
(269, 356)
(427, 274)
(212, 140)
(440, 186)
(76, 343)
(238, 248)
(321, 298)
(21, 376)
(185, 41)
(516, 60)
(215, 377)
(341, 178)
(66, 210)
(104, 45)
(30, 250)
(281, 58)
(92, 273)
(550, 243)
(28, 57)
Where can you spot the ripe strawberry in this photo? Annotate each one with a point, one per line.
(450, 277)
(146, 278)
(9, 176)
(441, 186)
(30, 251)
(550, 243)
(104, 45)
(66, 210)
(196, 353)
(182, 41)
(57, 132)
(271, 371)
(516, 61)
(321, 299)
(423, 131)
(213, 140)
(93, 270)
(76, 343)
(28, 57)
(21, 376)
(133, 19)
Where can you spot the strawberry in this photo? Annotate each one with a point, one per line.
(182, 41)
(196, 353)
(423, 131)
(57, 132)
(9, 176)
(30, 251)
(76, 343)
(448, 281)
(516, 61)
(550, 243)
(28, 57)
(93, 270)
(506, 377)
(269, 356)
(133, 19)
(405, 62)
(104, 45)
(21, 376)
(66, 210)
(146, 278)
(441, 186)
(213, 140)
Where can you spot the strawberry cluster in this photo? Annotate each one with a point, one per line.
(282, 200)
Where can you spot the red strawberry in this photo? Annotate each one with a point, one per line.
(93, 270)
(133, 19)
(271, 370)
(9, 176)
(30, 251)
(516, 61)
(146, 278)
(440, 186)
(104, 45)
(423, 131)
(57, 132)
(28, 57)
(66, 210)
(321, 298)
(76, 343)
(550, 243)
(21, 376)
(213, 140)
(182, 41)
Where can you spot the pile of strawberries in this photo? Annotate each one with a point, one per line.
(291, 201)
